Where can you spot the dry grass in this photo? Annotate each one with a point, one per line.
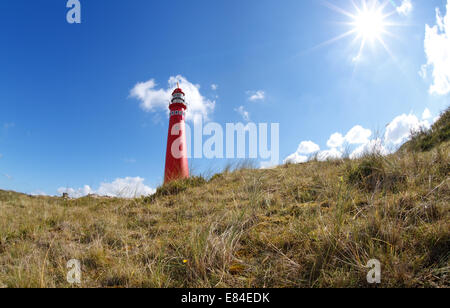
(310, 225)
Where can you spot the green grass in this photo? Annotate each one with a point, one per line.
(309, 225)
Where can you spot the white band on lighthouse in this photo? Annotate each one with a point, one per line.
(178, 100)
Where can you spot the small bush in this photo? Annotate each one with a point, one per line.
(371, 174)
(366, 174)
(176, 187)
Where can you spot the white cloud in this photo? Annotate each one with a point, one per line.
(336, 140)
(358, 135)
(423, 71)
(296, 158)
(426, 114)
(405, 8)
(39, 193)
(307, 147)
(123, 188)
(329, 154)
(214, 87)
(244, 113)
(399, 130)
(372, 146)
(256, 95)
(267, 165)
(76, 193)
(437, 50)
(153, 99)
(150, 98)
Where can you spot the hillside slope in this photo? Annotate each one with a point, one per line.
(425, 140)
(309, 225)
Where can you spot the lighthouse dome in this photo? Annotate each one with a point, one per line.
(177, 91)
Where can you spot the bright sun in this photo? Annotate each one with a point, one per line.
(369, 24)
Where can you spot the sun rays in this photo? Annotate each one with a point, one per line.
(368, 22)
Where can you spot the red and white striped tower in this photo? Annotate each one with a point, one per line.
(176, 154)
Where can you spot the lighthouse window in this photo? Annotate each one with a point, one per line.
(176, 112)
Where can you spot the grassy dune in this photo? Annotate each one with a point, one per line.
(309, 225)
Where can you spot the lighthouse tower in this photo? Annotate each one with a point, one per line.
(176, 154)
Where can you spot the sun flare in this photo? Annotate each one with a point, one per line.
(370, 24)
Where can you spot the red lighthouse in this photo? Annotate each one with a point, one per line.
(176, 154)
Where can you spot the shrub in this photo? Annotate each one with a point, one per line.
(176, 187)
(371, 174)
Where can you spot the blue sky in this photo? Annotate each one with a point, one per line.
(68, 116)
